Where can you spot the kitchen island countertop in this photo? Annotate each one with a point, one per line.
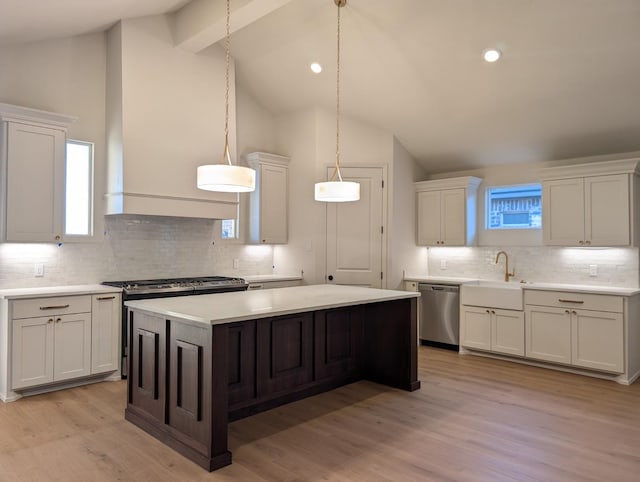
(222, 308)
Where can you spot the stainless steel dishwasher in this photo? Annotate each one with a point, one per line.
(439, 315)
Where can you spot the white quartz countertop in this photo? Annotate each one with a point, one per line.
(265, 278)
(48, 291)
(221, 308)
(541, 286)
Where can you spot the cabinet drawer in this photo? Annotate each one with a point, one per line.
(60, 305)
(566, 299)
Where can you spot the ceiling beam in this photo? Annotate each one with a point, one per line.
(202, 23)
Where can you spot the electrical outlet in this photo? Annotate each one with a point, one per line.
(38, 270)
(593, 270)
(443, 264)
(236, 263)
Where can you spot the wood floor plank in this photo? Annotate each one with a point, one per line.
(474, 419)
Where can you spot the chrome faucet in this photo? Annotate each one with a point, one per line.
(507, 275)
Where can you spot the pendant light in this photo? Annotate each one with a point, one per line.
(337, 190)
(225, 177)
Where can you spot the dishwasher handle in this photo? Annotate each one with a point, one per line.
(434, 287)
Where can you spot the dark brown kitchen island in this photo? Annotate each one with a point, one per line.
(198, 362)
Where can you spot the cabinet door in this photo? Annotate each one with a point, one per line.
(32, 352)
(284, 353)
(563, 212)
(338, 342)
(507, 332)
(72, 346)
(453, 217)
(273, 204)
(548, 334)
(35, 173)
(429, 218)
(598, 340)
(475, 327)
(105, 333)
(607, 218)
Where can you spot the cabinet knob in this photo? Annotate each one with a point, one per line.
(58, 320)
(588, 242)
(57, 238)
(50, 320)
(330, 277)
(581, 242)
(493, 312)
(567, 312)
(574, 312)
(487, 311)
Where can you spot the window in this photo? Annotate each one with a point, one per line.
(514, 207)
(78, 185)
(228, 229)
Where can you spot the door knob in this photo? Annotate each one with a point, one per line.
(330, 277)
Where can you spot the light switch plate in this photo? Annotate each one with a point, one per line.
(443, 264)
(38, 270)
(236, 263)
(593, 270)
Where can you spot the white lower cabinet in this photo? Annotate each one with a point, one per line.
(500, 331)
(79, 336)
(585, 337)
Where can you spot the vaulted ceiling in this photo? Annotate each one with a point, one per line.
(566, 86)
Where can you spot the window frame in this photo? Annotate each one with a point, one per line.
(487, 211)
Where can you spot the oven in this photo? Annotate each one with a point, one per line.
(163, 288)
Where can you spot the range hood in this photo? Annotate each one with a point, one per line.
(165, 113)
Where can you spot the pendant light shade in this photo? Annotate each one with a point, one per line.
(335, 191)
(225, 177)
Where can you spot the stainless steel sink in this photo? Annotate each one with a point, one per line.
(492, 294)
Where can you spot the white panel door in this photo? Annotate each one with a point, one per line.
(273, 204)
(36, 182)
(475, 327)
(598, 340)
(105, 333)
(354, 232)
(507, 332)
(607, 218)
(548, 334)
(72, 341)
(32, 352)
(429, 218)
(563, 212)
(453, 222)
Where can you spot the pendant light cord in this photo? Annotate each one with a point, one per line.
(227, 46)
(337, 169)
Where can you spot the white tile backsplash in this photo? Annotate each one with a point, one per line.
(134, 247)
(616, 266)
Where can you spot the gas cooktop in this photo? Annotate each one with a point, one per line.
(168, 285)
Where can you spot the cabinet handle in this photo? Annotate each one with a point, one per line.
(581, 242)
(50, 320)
(588, 242)
(493, 312)
(574, 312)
(102, 298)
(567, 312)
(58, 320)
(57, 238)
(58, 307)
(255, 287)
(487, 311)
(579, 302)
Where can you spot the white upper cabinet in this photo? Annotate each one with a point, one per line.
(590, 204)
(268, 216)
(32, 154)
(446, 211)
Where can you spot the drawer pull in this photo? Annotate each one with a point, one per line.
(255, 287)
(579, 302)
(102, 298)
(57, 307)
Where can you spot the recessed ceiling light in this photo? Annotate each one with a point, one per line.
(315, 67)
(491, 55)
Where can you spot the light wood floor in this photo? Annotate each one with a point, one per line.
(474, 419)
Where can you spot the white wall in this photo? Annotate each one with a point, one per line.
(405, 256)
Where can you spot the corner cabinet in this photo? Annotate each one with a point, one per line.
(58, 341)
(32, 154)
(268, 211)
(590, 204)
(446, 211)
